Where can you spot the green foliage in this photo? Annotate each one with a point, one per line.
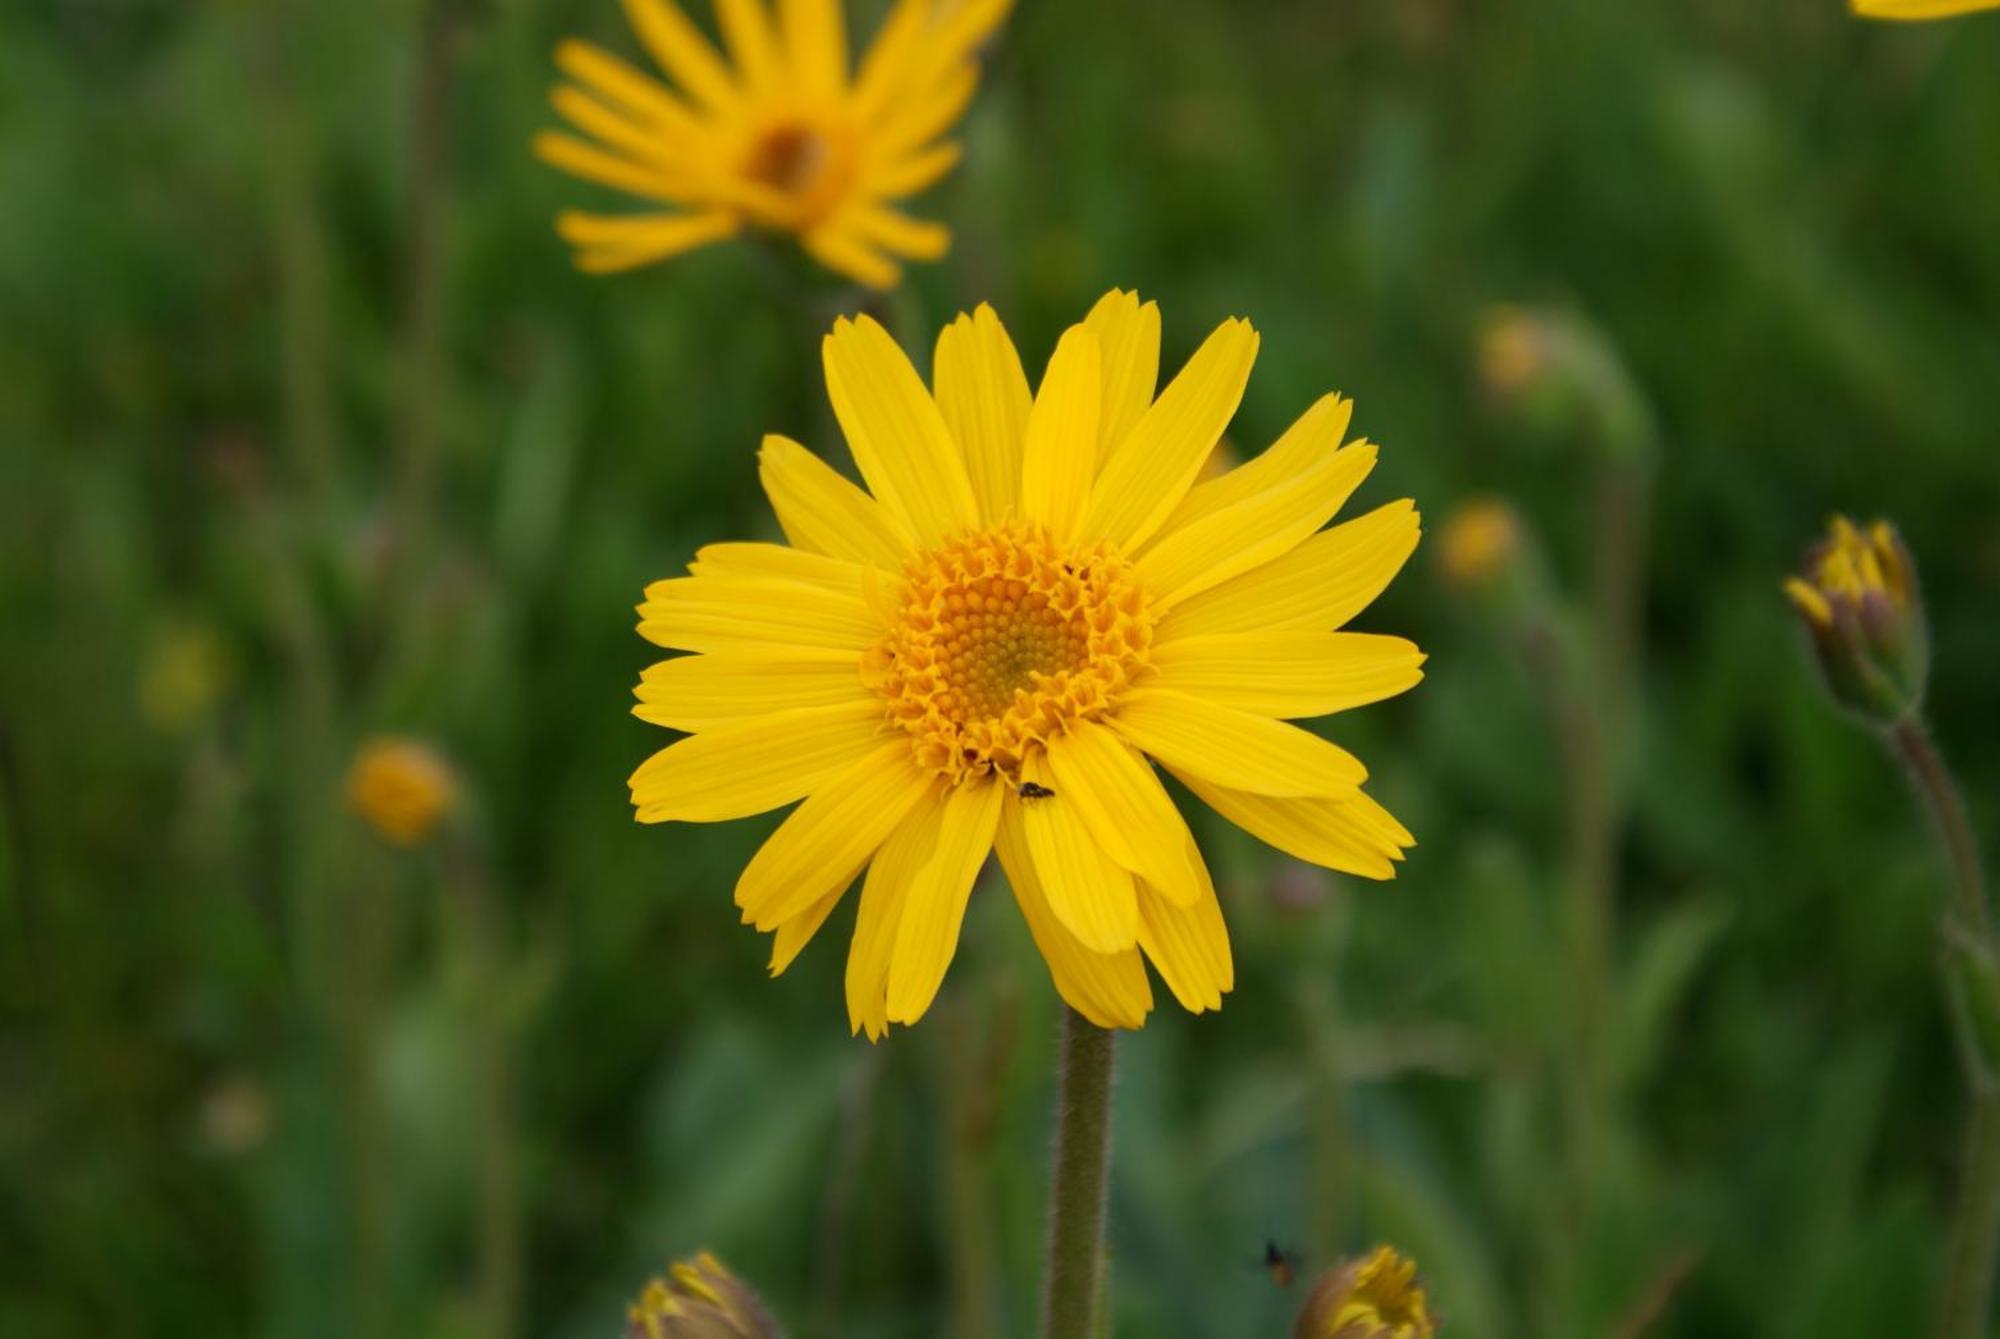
(1783, 219)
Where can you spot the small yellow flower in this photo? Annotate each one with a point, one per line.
(699, 1299)
(1514, 351)
(781, 137)
(1920, 9)
(1859, 600)
(401, 788)
(1375, 1297)
(1480, 540)
(984, 651)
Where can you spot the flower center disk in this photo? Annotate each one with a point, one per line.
(1004, 639)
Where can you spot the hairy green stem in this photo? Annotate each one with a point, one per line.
(1078, 1184)
(1975, 1227)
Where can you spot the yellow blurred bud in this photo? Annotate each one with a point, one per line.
(1919, 9)
(1857, 595)
(185, 672)
(1377, 1296)
(1479, 541)
(401, 788)
(1515, 351)
(700, 1299)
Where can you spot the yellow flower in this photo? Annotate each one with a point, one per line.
(1858, 597)
(1375, 1297)
(699, 1299)
(401, 788)
(1480, 539)
(1514, 350)
(982, 653)
(1919, 9)
(781, 137)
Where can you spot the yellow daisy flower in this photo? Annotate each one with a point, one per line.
(1920, 9)
(402, 788)
(781, 137)
(983, 650)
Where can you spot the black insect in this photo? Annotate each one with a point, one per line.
(1035, 790)
(1282, 1265)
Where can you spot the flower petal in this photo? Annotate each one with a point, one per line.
(1124, 806)
(823, 841)
(983, 394)
(1188, 945)
(1130, 335)
(841, 251)
(884, 893)
(898, 437)
(682, 51)
(791, 937)
(927, 937)
(1290, 674)
(896, 232)
(759, 614)
(1059, 453)
(1353, 835)
(780, 561)
(1316, 587)
(1146, 477)
(702, 692)
(753, 42)
(1322, 428)
(822, 512)
(897, 177)
(1089, 892)
(1234, 748)
(815, 34)
(750, 766)
(1110, 989)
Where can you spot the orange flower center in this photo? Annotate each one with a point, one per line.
(807, 165)
(1003, 639)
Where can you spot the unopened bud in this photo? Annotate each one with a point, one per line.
(1858, 597)
(1377, 1296)
(700, 1299)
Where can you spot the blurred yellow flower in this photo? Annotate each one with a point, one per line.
(982, 653)
(185, 672)
(1514, 350)
(401, 788)
(1375, 1297)
(1858, 597)
(699, 1299)
(1920, 9)
(1479, 541)
(781, 137)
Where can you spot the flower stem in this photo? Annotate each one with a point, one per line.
(1078, 1184)
(1975, 1228)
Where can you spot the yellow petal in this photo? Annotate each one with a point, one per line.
(983, 394)
(1089, 892)
(609, 77)
(1110, 989)
(780, 561)
(750, 766)
(756, 614)
(1059, 452)
(1130, 335)
(915, 119)
(681, 51)
(1354, 836)
(1234, 748)
(572, 155)
(1254, 531)
(629, 243)
(825, 840)
(903, 176)
(643, 143)
(841, 251)
(1290, 674)
(1146, 477)
(816, 41)
(1320, 429)
(1188, 945)
(891, 876)
(1123, 805)
(1920, 9)
(746, 27)
(928, 935)
(822, 512)
(701, 692)
(887, 60)
(895, 431)
(898, 233)
(788, 939)
(1316, 587)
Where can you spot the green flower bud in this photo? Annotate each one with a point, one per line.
(700, 1299)
(1375, 1297)
(1859, 600)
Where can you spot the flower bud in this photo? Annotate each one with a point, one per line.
(1858, 598)
(1374, 1297)
(1481, 540)
(700, 1299)
(401, 788)
(1515, 350)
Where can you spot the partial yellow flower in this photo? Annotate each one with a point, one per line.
(699, 1299)
(1920, 9)
(985, 649)
(1375, 1297)
(1481, 538)
(1858, 597)
(781, 137)
(401, 788)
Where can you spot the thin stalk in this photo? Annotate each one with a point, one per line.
(370, 932)
(490, 1023)
(1078, 1185)
(1975, 1228)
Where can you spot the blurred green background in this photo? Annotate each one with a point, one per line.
(260, 1074)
